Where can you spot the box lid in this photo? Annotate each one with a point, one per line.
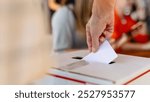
(122, 71)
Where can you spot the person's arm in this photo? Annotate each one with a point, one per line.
(101, 22)
(103, 7)
(53, 5)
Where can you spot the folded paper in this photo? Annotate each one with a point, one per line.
(105, 54)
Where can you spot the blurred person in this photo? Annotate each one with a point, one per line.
(123, 21)
(139, 13)
(100, 23)
(68, 25)
(24, 49)
(54, 5)
(136, 9)
(147, 10)
(130, 23)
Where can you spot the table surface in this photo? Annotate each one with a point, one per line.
(140, 53)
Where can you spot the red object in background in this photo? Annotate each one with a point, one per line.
(121, 27)
(141, 38)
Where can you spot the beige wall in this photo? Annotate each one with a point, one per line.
(24, 42)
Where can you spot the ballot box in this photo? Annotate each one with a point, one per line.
(70, 69)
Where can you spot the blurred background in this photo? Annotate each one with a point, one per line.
(24, 40)
(132, 25)
(30, 30)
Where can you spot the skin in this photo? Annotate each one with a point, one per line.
(53, 5)
(101, 23)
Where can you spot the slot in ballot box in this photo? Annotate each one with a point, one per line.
(68, 68)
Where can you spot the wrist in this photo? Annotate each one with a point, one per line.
(103, 8)
(106, 15)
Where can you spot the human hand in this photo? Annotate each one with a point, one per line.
(98, 29)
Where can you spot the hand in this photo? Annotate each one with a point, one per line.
(96, 27)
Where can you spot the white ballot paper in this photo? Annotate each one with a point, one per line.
(105, 54)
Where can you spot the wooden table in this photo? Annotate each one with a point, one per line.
(140, 53)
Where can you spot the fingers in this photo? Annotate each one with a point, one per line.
(108, 34)
(94, 29)
(92, 40)
(95, 43)
(109, 27)
(101, 39)
(109, 31)
(89, 41)
(88, 38)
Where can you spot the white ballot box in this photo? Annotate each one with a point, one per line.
(69, 69)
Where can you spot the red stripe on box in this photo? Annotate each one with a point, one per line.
(83, 82)
(136, 77)
(66, 78)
